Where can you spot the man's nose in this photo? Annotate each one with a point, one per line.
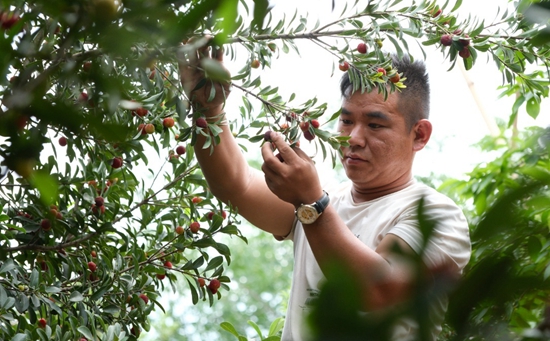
(357, 136)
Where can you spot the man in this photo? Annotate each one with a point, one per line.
(360, 224)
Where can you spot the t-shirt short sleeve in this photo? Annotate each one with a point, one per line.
(449, 240)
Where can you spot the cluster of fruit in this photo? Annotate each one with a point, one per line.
(362, 48)
(8, 20)
(462, 42)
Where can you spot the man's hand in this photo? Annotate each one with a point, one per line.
(295, 180)
(205, 94)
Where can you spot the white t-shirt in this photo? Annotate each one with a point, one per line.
(370, 221)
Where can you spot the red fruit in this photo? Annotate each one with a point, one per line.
(465, 52)
(280, 157)
(214, 285)
(21, 122)
(223, 214)
(436, 13)
(180, 150)
(149, 128)
(362, 48)
(99, 201)
(196, 200)
(309, 135)
(161, 276)
(141, 127)
(395, 78)
(381, 70)
(83, 339)
(42, 323)
(83, 97)
(93, 277)
(344, 66)
(304, 125)
(168, 122)
(201, 281)
(144, 298)
(267, 136)
(44, 266)
(98, 210)
(168, 264)
(87, 66)
(180, 230)
(210, 215)
(446, 40)
(465, 41)
(152, 74)
(9, 20)
(458, 31)
(117, 162)
(45, 224)
(92, 266)
(255, 64)
(141, 112)
(291, 116)
(135, 331)
(62, 141)
(93, 254)
(59, 215)
(195, 226)
(201, 122)
(314, 123)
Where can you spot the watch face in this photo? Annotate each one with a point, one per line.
(307, 214)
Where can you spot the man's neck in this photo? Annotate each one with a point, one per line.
(366, 194)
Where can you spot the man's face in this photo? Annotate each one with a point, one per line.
(381, 148)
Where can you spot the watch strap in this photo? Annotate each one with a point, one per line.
(321, 204)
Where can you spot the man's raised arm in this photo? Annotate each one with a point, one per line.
(226, 170)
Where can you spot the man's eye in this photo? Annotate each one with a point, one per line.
(344, 121)
(375, 126)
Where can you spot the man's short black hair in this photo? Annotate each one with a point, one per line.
(414, 100)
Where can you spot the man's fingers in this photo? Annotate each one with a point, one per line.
(267, 152)
(284, 148)
(217, 53)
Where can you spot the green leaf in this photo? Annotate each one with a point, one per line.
(534, 247)
(256, 328)
(229, 328)
(76, 297)
(276, 326)
(7, 266)
(468, 62)
(33, 281)
(214, 263)
(46, 185)
(19, 337)
(227, 13)
(86, 332)
(194, 294)
(457, 5)
(533, 107)
(3, 296)
(53, 290)
(215, 70)
(541, 39)
(261, 8)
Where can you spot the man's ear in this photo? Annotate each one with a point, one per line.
(422, 131)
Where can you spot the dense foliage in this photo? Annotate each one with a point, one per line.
(103, 205)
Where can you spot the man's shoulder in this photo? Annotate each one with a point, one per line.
(429, 194)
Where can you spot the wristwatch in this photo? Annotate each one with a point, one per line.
(308, 213)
